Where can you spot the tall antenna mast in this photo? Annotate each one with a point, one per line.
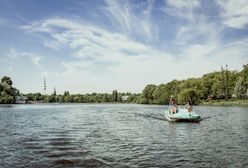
(45, 87)
(54, 91)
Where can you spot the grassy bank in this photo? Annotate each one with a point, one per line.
(226, 103)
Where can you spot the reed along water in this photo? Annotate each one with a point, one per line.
(120, 135)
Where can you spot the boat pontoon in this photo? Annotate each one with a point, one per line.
(182, 115)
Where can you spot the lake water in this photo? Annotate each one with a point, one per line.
(120, 135)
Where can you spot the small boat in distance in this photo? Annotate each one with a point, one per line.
(182, 115)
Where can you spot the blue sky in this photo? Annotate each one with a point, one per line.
(89, 46)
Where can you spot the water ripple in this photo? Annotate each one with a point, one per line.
(120, 136)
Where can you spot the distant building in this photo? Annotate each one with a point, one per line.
(124, 98)
(210, 97)
(21, 99)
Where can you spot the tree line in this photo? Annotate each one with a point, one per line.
(115, 97)
(223, 84)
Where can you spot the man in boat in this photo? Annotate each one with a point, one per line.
(173, 106)
(189, 106)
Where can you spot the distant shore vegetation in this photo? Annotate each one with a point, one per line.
(115, 97)
(224, 87)
(231, 102)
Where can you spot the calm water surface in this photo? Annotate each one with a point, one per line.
(99, 135)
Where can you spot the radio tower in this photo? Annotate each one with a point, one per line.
(45, 87)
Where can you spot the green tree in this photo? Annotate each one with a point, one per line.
(244, 75)
(191, 95)
(114, 96)
(61, 99)
(240, 90)
(147, 93)
(106, 98)
(7, 91)
(37, 97)
(142, 100)
(6, 99)
(66, 99)
(66, 93)
(160, 94)
(7, 80)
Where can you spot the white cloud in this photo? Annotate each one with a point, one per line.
(183, 3)
(199, 39)
(127, 20)
(234, 13)
(197, 28)
(99, 53)
(101, 60)
(52, 44)
(89, 41)
(237, 22)
(202, 31)
(36, 26)
(34, 58)
(12, 54)
(182, 8)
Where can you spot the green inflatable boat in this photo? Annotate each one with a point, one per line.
(182, 115)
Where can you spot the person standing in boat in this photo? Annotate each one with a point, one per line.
(173, 106)
(189, 106)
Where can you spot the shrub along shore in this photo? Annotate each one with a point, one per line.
(231, 102)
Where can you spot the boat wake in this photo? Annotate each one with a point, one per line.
(204, 118)
(216, 115)
(150, 116)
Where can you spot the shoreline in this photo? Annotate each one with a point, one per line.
(240, 103)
